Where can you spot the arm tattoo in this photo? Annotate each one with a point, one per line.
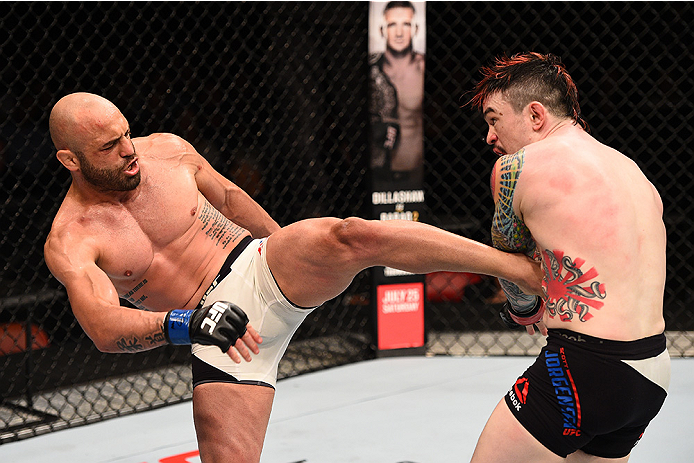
(569, 290)
(132, 345)
(155, 339)
(520, 301)
(217, 227)
(509, 233)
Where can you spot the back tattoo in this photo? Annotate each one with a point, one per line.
(568, 289)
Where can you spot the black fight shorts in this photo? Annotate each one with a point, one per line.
(592, 394)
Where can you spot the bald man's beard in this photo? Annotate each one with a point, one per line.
(108, 179)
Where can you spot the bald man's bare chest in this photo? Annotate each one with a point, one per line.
(154, 227)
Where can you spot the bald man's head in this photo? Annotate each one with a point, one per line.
(74, 117)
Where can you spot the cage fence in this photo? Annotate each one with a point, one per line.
(274, 95)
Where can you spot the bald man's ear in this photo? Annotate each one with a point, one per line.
(68, 159)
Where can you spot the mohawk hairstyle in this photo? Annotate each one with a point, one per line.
(527, 77)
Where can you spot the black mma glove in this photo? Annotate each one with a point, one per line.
(385, 134)
(514, 318)
(526, 309)
(220, 324)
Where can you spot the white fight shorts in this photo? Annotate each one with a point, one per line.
(251, 286)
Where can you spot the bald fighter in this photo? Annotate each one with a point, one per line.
(149, 220)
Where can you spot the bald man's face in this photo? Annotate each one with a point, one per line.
(109, 161)
(96, 139)
(123, 176)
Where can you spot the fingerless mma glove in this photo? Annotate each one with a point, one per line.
(515, 318)
(220, 324)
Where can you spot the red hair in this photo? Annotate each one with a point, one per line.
(527, 77)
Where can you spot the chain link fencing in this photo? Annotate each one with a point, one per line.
(274, 95)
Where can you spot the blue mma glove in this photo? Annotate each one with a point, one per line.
(220, 324)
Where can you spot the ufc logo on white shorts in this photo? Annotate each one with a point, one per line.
(212, 318)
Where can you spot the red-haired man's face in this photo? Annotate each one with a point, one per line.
(508, 130)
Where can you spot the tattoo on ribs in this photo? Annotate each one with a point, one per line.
(129, 296)
(217, 227)
(569, 290)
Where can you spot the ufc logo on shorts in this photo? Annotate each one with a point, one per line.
(212, 318)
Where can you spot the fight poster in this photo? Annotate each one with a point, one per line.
(397, 40)
(400, 316)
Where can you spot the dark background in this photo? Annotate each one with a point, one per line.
(274, 96)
